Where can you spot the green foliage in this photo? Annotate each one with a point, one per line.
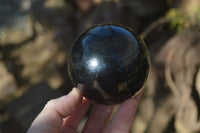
(197, 16)
(181, 20)
(178, 19)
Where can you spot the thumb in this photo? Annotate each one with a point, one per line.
(51, 117)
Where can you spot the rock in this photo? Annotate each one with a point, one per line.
(55, 4)
(99, 15)
(39, 59)
(189, 7)
(7, 82)
(141, 8)
(51, 13)
(15, 22)
(27, 107)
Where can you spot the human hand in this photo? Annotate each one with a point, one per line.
(63, 115)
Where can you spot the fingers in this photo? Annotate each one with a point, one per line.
(75, 118)
(50, 119)
(97, 119)
(72, 108)
(123, 118)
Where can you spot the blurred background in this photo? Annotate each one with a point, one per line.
(35, 37)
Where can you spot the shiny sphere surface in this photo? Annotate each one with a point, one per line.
(108, 63)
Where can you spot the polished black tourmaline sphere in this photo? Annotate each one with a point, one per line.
(108, 63)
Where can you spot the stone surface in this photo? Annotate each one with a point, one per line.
(39, 59)
(27, 107)
(15, 22)
(7, 82)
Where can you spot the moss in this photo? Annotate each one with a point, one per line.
(178, 19)
(181, 20)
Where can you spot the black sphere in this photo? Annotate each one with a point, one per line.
(109, 63)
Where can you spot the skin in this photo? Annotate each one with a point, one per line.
(63, 115)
